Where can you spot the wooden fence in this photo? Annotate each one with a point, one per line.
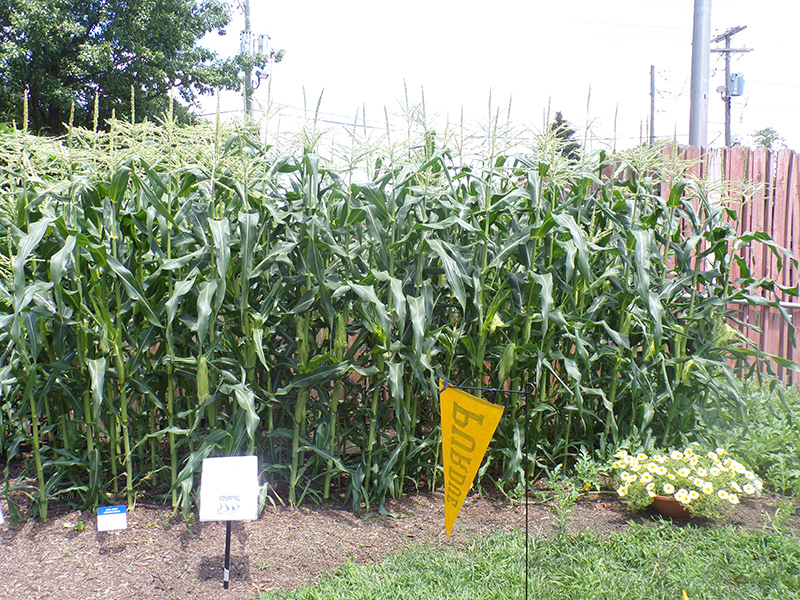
(764, 187)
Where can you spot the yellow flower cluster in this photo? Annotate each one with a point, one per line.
(690, 476)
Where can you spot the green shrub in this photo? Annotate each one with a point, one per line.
(765, 434)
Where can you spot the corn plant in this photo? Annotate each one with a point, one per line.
(169, 294)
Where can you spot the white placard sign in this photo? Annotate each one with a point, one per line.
(2, 520)
(229, 489)
(112, 517)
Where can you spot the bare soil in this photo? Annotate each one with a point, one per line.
(162, 556)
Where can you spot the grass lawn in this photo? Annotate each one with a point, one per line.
(648, 562)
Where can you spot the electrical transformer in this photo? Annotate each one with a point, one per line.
(736, 85)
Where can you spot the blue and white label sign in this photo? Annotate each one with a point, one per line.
(2, 520)
(112, 517)
(229, 489)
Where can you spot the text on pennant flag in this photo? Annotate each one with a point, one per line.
(468, 424)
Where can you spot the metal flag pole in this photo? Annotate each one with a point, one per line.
(527, 487)
(528, 393)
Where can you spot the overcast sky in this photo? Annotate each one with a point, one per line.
(534, 54)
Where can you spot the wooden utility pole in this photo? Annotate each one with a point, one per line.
(726, 90)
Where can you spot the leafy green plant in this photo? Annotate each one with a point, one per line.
(703, 482)
(765, 434)
(264, 564)
(779, 520)
(783, 478)
(590, 473)
(564, 493)
(169, 294)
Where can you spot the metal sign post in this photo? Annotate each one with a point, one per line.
(226, 573)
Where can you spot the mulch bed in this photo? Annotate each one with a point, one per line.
(161, 556)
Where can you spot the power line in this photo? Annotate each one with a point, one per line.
(780, 108)
(636, 25)
(639, 35)
(788, 85)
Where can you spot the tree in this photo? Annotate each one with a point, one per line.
(570, 148)
(768, 138)
(65, 51)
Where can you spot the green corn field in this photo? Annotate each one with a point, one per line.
(168, 294)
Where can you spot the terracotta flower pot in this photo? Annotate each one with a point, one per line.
(670, 507)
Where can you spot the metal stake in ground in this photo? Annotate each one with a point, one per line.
(226, 572)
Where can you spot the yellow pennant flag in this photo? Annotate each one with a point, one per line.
(468, 424)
